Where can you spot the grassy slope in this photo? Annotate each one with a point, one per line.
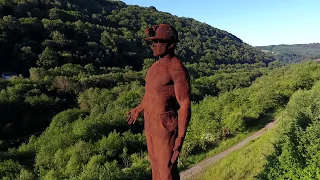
(226, 144)
(245, 163)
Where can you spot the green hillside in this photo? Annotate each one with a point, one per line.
(293, 53)
(40, 33)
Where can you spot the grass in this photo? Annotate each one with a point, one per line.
(228, 143)
(223, 145)
(245, 163)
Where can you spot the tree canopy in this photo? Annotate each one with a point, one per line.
(40, 33)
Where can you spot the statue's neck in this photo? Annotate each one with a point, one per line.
(167, 56)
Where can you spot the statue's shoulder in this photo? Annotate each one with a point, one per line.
(176, 65)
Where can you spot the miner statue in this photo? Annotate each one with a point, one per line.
(166, 103)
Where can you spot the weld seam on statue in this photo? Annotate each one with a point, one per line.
(166, 104)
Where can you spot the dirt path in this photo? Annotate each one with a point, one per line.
(200, 167)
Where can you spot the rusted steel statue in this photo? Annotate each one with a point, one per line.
(166, 104)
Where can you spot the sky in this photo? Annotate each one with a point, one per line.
(256, 22)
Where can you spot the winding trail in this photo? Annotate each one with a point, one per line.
(200, 167)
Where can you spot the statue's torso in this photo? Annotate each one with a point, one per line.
(160, 103)
(159, 88)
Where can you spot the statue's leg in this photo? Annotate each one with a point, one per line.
(163, 152)
(152, 156)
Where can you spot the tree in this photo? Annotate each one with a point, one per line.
(48, 58)
(108, 41)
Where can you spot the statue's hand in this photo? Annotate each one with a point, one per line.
(176, 149)
(175, 156)
(133, 115)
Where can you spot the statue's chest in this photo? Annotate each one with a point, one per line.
(158, 76)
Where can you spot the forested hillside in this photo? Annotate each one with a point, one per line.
(42, 33)
(293, 53)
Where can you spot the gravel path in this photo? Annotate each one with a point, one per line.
(195, 170)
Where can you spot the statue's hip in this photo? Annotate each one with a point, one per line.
(162, 124)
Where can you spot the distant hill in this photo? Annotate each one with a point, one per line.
(104, 33)
(293, 53)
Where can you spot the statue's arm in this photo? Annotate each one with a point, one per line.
(141, 106)
(181, 79)
(134, 113)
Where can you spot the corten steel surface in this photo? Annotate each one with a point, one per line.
(166, 104)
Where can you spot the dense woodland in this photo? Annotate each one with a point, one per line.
(293, 53)
(42, 33)
(82, 65)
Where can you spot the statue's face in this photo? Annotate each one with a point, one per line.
(159, 47)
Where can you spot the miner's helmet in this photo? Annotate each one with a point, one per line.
(163, 32)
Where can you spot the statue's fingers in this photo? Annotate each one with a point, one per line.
(129, 117)
(132, 120)
(129, 120)
(174, 156)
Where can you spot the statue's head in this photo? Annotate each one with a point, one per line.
(164, 38)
